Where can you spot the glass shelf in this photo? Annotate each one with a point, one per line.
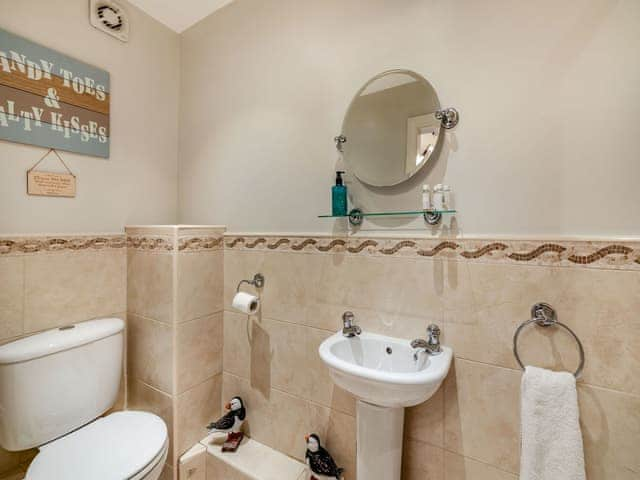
(391, 214)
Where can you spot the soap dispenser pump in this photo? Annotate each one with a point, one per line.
(339, 196)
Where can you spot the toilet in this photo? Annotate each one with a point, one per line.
(54, 388)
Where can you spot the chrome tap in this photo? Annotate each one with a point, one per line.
(432, 344)
(350, 329)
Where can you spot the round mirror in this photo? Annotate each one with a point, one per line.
(390, 130)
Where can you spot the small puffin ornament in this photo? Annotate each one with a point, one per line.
(231, 424)
(322, 466)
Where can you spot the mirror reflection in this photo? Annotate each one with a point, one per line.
(390, 128)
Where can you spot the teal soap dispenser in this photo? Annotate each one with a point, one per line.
(339, 197)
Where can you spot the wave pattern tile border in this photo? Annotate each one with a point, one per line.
(599, 254)
(48, 244)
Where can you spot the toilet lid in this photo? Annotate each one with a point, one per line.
(115, 447)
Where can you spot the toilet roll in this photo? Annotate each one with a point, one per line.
(246, 303)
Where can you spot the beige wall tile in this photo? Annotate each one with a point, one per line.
(150, 285)
(200, 284)
(11, 296)
(610, 424)
(457, 467)
(150, 352)
(287, 423)
(261, 353)
(425, 422)
(288, 359)
(199, 351)
(195, 409)
(495, 284)
(290, 286)
(599, 305)
(236, 346)
(321, 388)
(144, 397)
(482, 421)
(63, 288)
(393, 296)
(602, 307)
(503, 296)
(218, 470)
(421, 461)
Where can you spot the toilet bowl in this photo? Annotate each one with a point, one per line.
(55, 387)
(127, 445)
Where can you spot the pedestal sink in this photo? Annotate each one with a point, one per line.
(385, 375)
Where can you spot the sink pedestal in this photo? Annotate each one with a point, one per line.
(379, 441)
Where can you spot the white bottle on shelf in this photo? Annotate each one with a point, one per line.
(446, 197)
(426, 197)
(437, 203)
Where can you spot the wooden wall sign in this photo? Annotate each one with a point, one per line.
(51, 184)
(52, 100)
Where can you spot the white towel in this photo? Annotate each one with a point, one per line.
(551, 437)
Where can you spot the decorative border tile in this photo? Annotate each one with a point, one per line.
(32, 245)
(198, 244)
(185, 244)
(157, 243)
(598, 254)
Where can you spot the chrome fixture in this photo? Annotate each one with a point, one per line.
(340, 140)
(448, 117)
(431, 345)
(432, 217)
(355, 217)
(258, 282)
(544, 315)
(350, 329)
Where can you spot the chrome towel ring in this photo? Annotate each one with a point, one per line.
(544, 315)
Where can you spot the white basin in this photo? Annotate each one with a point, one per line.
(385, 376)
(382, 370)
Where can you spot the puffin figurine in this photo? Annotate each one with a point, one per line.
(232, 421)
(231, 424)
(322, 466)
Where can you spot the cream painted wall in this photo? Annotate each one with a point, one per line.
(266, 84)
(138, 183)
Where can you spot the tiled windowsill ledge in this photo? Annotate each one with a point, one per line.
(252, 461)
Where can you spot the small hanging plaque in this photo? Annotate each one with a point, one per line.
(51, 184)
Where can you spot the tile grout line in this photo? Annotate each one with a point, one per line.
(174, 352)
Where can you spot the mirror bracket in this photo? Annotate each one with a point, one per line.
(448, 117)
(340, 140)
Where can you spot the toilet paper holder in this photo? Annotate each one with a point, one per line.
(258, 282)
